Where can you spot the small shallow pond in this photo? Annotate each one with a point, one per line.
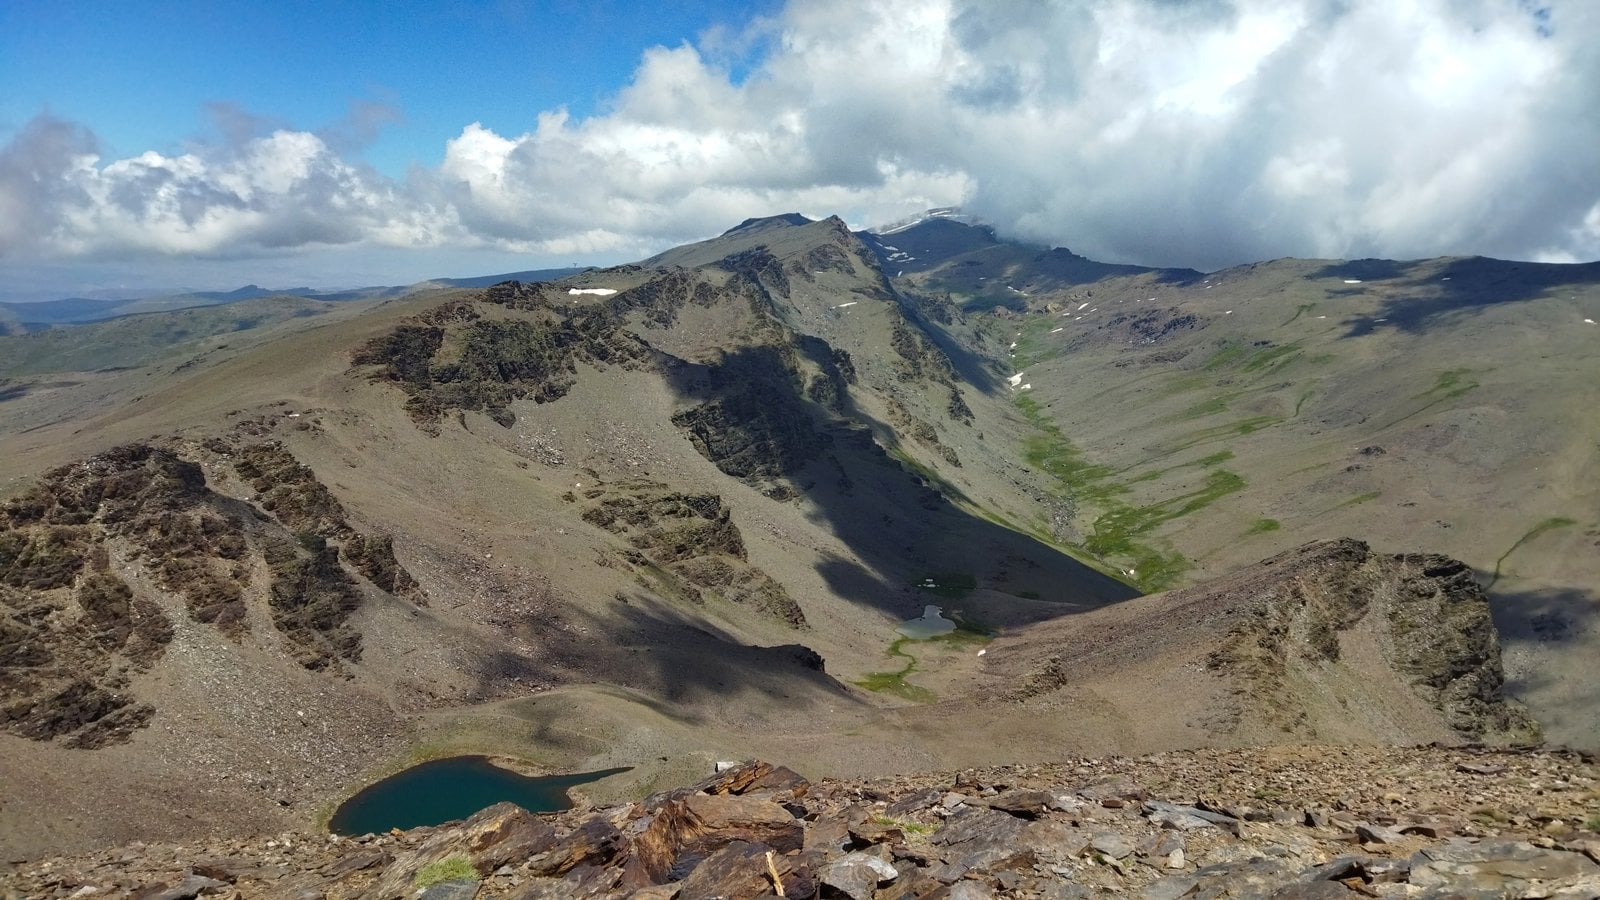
(447, 789)
(930, 625)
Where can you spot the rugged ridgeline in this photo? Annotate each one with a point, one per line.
(1290, 822)
(1328, 642)
(653, 515)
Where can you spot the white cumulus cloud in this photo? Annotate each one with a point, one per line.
(1201, 133)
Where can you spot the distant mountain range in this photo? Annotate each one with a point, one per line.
(27, 316)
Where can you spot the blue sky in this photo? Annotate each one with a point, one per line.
(159, 145)
(157, 75)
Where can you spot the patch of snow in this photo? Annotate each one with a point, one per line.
(1228, 313)
(598, 292)
(1015, 379)
(1352, 281)
(1322, 317)
(1026, 387)
(1588, 321)
(1058, 329)
(843, 305)
(1083, 304)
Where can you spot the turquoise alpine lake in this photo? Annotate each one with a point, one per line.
(445, 790)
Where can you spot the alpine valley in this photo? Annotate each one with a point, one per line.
(259, 551)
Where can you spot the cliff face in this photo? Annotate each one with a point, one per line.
(1335, 610)
(1329, 641)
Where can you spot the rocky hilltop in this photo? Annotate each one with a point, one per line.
(1327, 642)
(1291, 822)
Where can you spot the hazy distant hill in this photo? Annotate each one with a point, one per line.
(77, 310)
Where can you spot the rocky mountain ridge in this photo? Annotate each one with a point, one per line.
(675, 511)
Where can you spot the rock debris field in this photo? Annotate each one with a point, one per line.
(1293, 822)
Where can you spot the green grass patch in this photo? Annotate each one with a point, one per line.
(1272, 358)
(1116, 530)
(1050, 452)
(1035, 345)
(906, 826)
(1300, 403)
(1263, 526)
(451, 868)
(1121, 530)
(1549, 524)
(894, 683)
(1224, 357)
(1214, 406)
(1448, 385)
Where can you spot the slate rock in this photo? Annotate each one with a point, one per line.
(736, 870)
(1112, 844)
(1054, 842)
(450, 890)
(190, 887)
(491, 838)
(1377, 834)
(594, 843)
(1504, 866)
(857, 874)
(1189, 817)
(1028, 804)
(358, 861)
(975, 824)
(913, 802)
(685, 827)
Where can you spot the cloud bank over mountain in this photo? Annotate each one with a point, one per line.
(1202, 133)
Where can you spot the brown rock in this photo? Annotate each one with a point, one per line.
(491, 838)
(594, 843)
(684, 824)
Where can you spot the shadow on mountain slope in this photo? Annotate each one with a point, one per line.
(644, 644)
(1534, 624)
(1427, 293)
(756, 422)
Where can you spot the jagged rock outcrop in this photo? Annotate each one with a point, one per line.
(691, 536)
(1329, 642)
(465, 361)
(1422, 615)
(1290, 822)
(87, 553)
